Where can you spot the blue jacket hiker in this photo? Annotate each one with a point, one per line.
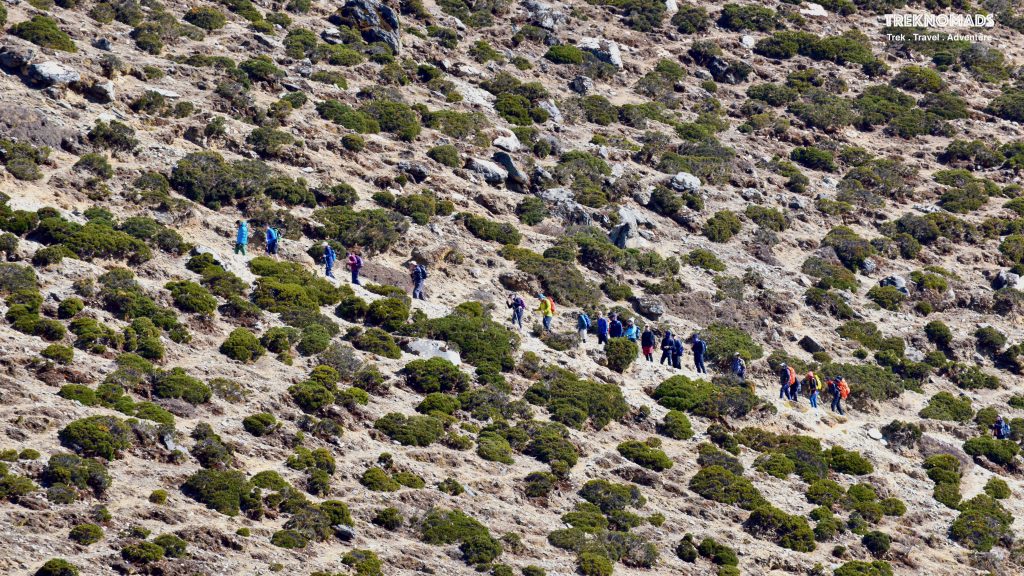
(241, 236)
(271, 240)
(615, 327)
(329, 258)
(582, 325)
(602, 329)
(699, 347)
(418, 274)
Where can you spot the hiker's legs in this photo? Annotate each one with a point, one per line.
(698, 363)
(839, 404)
(547, 323)
(417, 290)
(583, 335)
(814, 401)
(355, 277)
(239, 248)
(329, 270)
(793, 395)
(784, 392)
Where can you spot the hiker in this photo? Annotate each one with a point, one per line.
(677, 353)
(615, 327)
(699, 347)
(602, 329)
(418, 273)
(354, 263)
(1001, 429)
(272, 237)
(582, 325)
(329, 258)
(794, 389)
(666, 348)
(812, 382)
(547, 310)
(241, 236)
(787, 376)
(815, 389)
(840, 390)
(647, 344)
(739, 367)
(632, 331)
(518, 306)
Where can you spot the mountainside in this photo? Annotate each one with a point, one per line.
(798, 184)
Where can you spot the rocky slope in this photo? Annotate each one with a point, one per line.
(792, 181)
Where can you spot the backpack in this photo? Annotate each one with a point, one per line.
(844, 389)
(421, 272)
(792, 375)
(271, 234)
(551, 304)
(1004, 429)
(519, 303)
(359, 261)
(586, 319)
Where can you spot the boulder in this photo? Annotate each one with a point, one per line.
(605, 50)
(553, 112)
(432, 349)
(1005, 279)
(343, 532)
(685, 182)
(169, 94)
(544, 15)
(671, 7)
(52, 73)
(650, 307)
(869, 266)
(813, 10)
(507, 142)
(14, 57)
(518, 281)
(722, 71)
(417, 171)
(811, 345)
(489, 171)
(517, 180)
(897, 282)
(103, 44)
(102, 91)
(581, 85)
(563, 205)
(748, 41)
(375, 20)
(432, 255)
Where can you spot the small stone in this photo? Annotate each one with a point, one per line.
(582, 85)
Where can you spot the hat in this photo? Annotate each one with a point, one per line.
(783, 364)
(736, 354)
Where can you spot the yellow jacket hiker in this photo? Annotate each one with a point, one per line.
(546, 309)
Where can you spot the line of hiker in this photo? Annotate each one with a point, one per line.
(791, 386)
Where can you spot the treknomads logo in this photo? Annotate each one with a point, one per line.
(944, 20)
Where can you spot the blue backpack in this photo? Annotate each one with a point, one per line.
(586, 321)
(1004, 430)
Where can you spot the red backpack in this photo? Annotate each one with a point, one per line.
(551, 303)
(844, 389)
(792, 375)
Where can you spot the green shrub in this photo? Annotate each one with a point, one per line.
(410, 430)
(395, 117)
(717, 553)
(1001, 452)
(620, 353)
(918, 79)
(388, 518)
(363, 562)
(445, 154)
(722, 226)
(861, 568)
(142, 552)
(450, 527)
(945, 406)
(720, 485)
(775, 464)
(378, 480)
(377, 341)
(572, 401)
(104, 436)
(242, 345)
(58, 353)
(738, 17)
(706, 259)
(259, 424)
(676, 426)
(997, 488)
(490, 230)
(564, 54)
(788, 531)
(43, 31)
(69, 307)
(220, 490)
(86, 534)
(57, 567)
(982, 524)
(175, 383)
(644, 455)
(724, 342)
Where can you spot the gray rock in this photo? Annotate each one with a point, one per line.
(797, 203)
(15, 57)
(415, 170)
(433, 349)
(869, 266)
(377, 21)
(51, 73)
(103, 44)
(1005, 278)
(671, 7)
(748, 41)
(811, 345)
(553, 112)
(643, 195)
(518, 281)
(489, 171)
(345, 533)
(582, 85)
(650, 307)
(897, 282)
(563, 206)
(625, 234)
(102, 91)
(169, 94)
(544, 15)
(605, 50)
(332, 36)
(813, 10)
(517, 179)
(685, 182)
(508, 142)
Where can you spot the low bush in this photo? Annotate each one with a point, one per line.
(1001, 452)
(676, 426)
(722, 226)
(720, 485)
(259, 424)
(620, 353)
(645, 455)
(435, 375)
(43, 31)
(770, 523)
(982, 524)
(220, 490)
(104, 436)
(86, 534)
(410, 430)
(377, 341)
(945, 406)
(57, 567)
